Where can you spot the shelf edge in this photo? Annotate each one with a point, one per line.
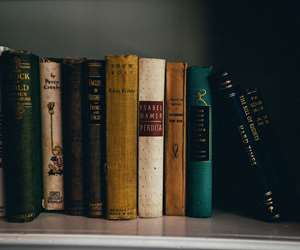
(61, 241)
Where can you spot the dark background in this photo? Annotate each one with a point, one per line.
(258, 41)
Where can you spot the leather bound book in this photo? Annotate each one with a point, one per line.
(175, 139)
(94, 135)
(73, 136)
(262, 197)
(199, 149)
(151, 140)
(22, 135)
(2, 207)
(52, 147)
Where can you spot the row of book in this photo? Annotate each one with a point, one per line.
(120, 138)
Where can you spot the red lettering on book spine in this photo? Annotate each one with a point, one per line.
(151, 118)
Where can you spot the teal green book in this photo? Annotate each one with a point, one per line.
(199, 139)
(21, 135)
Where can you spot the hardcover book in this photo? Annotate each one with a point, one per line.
(151, 137)
(199, 149)
(175, 139)
(2, 202)
(73, 136)
(52, 146)
(22, 135)
(121, 136)
(94, 139)
(261, 197)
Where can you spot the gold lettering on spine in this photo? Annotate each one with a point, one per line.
(50, 76)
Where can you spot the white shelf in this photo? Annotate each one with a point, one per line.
(223, 231)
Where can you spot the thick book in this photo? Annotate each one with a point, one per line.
(121, 136)
(52, 138)
(73, 71)
(2, 202)
(261, 197)
(151, 137)
(94, 135)
(199, 147)
(21, 135)
(175, 139)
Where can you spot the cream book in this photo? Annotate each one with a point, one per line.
(151, 140)
(52, 148)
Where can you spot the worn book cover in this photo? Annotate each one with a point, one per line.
(94, 135)
(52, 138)
(175, 139)
(21, 135)
(258, 193)
(199, 150)
(121, 135)
(151, 136)
(2, 205)
(73, 136)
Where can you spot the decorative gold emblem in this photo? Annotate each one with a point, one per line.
(199, 96)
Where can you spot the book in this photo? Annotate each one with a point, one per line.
(261, 198)
(199, 147)
(52, 138)
(151, 137)
(121, 136)
(21, 135)
(94, 135)
(175, 139)
(73, 71)
(2, 202)
(278, 176)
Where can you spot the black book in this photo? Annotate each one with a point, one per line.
(258, 189)
(94, 135)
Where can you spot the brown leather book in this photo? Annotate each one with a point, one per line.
(121, 125)
(175, 139)
(73, 136)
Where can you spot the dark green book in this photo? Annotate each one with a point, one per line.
(94, 135)
(199, 147)
(22, 135)
(73, 72)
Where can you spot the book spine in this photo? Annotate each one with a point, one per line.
(73, 136)
(94, 143)
(121, 126)
(199, 150)
(52, 147)
(267, 145)
(175, 139)
(241, 117)
(151, 136)
(2, 202)
(22, 134)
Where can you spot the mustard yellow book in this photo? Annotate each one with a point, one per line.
(121, 136)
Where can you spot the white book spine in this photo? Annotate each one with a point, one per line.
(52, 148)
(151, 141)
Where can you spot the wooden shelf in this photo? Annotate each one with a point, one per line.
(222, 231)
